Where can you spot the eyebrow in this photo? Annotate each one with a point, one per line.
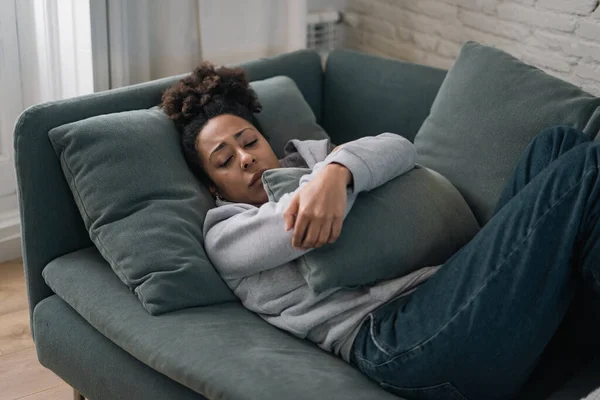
(221, 145)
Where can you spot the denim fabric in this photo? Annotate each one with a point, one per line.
(477, 328)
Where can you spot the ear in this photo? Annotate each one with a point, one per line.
(213, 190)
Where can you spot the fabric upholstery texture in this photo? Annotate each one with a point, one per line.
(222, 351)
(143, 207)
(488, 109)
(76, 351)
(365, 95)
(417, 219)
(285, 115)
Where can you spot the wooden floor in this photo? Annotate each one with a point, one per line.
(21, 374)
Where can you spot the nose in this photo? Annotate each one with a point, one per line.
(247, 160)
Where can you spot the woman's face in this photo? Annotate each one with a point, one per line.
(234, 155)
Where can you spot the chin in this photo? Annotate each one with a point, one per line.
(262, 199)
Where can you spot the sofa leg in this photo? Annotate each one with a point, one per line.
(77, 395)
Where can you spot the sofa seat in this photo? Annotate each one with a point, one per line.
(221, 351)
(83, 357)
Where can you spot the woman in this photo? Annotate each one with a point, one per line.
(473, 328)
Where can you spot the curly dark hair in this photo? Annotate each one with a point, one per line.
(206, 93)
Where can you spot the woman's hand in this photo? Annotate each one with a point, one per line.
(317, 210)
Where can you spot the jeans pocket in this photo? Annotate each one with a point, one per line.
(443, 391)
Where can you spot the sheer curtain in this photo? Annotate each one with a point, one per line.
(68, 48)
(150, 39)
(54, 49)
(73, 47)
(234, 31)
(146, 39)
(11, 104)
(42, 56)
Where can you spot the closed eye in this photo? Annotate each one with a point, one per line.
(226, 163)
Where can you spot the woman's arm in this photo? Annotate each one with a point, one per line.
(242, 240)
(374, 160)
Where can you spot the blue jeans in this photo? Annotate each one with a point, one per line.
(478, 327)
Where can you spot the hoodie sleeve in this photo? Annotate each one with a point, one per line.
(243, 240)
(375, 160)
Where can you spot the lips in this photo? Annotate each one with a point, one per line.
(256, 177)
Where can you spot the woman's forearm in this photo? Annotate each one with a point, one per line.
(341, 172)
(374, 160)
(242, 240)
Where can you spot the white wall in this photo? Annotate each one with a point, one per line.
(559, 36)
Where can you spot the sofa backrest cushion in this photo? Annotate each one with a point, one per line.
(285, 114)
(488, 109)
(365, 95)
(415, 220)
(143, 208)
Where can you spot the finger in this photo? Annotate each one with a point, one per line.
(299, 230)
(336, 230)
(325, 233)
(289, 216)
(312, 234)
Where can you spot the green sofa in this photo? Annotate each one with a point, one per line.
(94, 333)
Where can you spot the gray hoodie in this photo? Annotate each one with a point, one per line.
(252, 252)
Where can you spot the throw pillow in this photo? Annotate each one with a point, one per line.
(417, 219)
(142, 206)
(489, 107)
(285, 114)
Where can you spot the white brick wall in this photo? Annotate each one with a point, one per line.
(562, 37)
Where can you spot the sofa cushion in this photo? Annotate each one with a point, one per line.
(67, 345)
(221, 351)
(488, 109)
(142, 206)
(417, 219)
(364, 95)
(285, 114)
